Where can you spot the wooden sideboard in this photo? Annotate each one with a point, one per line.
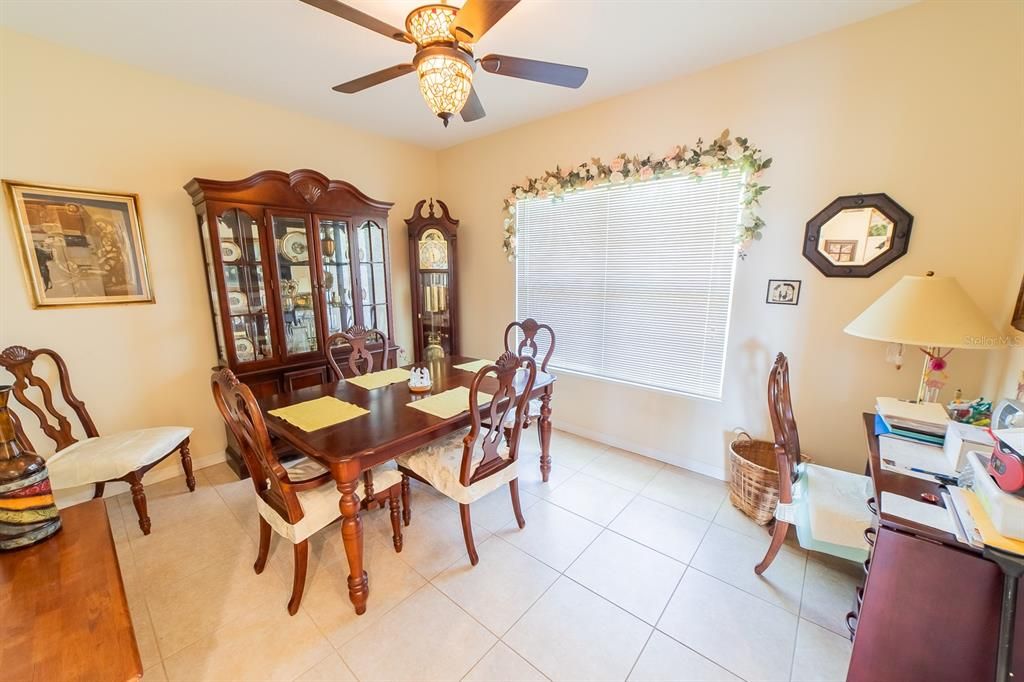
(930, 606)
(63, 610)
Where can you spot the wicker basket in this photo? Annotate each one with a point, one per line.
(753, 477)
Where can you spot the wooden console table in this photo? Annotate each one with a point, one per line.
(930, 607)
(65, 614)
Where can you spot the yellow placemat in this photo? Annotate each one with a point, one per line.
(474, 366)
(449, 403)
(380, 379)
(320, 413)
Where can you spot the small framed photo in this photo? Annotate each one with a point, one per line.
(783, 291)
(79, 247)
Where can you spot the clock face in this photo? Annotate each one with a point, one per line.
(433, 251)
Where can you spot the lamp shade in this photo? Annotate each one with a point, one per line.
(926, 311)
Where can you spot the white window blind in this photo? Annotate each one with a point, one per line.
(635, 280)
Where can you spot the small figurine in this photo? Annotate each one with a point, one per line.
(420, 380)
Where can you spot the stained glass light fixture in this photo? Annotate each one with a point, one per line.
(446, 77)
(431, 24)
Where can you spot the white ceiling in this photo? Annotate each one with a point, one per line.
(291, 54)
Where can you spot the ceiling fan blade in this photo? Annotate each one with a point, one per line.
(473, 110)
(375, 78)
(533, 70)
(476, 17)
(340, 9)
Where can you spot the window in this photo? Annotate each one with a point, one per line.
(635, 280)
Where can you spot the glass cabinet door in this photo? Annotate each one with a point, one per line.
(373, 296)
(336, 260)
(241, 259)
(297, 283)
(433, 269)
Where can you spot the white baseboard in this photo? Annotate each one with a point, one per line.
(694, 465)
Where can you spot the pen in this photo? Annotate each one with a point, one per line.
(944, 479)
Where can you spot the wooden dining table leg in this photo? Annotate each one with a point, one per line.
(346, 474)
(544, 426)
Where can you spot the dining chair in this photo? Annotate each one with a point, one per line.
(95, 460)
(530, 328)
(357, 337)
(298, 498)
(828, 506)
(471, 463)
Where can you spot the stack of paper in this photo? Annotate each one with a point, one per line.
(923, 422)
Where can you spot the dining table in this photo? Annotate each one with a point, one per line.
(390, 428)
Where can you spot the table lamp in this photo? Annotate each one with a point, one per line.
(932, 312)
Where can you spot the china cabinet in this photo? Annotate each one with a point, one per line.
(435, 301)
(290, 259)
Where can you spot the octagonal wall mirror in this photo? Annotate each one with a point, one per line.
(856, 236)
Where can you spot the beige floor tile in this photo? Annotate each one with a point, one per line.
(829, 591)
(745, 635)
(170, 504)
(686, 491)
(666, 660)
(155, 674)
(326, 596)
(661, 527)
(628, 574)
(278, 648)
(186, 548)
(331, 669)
(571, 451)
(500, 588)
(530, 478)
(494, 511)
(731, 557)
(501, 664)
(145, 637)
(624, 469)
(552, 534)
(821, 655)
(573, 634)
(591, 498)
(434, 540)
(226, 593)
(733, 519)
(426, 637)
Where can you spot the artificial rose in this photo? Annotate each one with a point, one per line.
(646, 173)
(734, 151)
(700, 171)
(616, 177)
(707, 160)
(617, 164)
(543, 194)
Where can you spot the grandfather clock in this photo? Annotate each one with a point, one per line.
(435, 300)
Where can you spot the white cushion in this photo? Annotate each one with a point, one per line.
(532, 411)
(320, 505)
(440, 463)
(106, 458)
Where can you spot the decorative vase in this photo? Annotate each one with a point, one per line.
(28, 514)
(327, 247)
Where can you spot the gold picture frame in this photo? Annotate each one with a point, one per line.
(79, 246)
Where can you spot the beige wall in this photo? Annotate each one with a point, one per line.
(70, 118)
(923, 103)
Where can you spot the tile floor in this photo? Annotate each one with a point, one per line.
(627, 569)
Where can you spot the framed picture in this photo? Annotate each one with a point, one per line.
(79, 247)
(783, 291)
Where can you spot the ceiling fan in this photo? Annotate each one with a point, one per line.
(443, 36)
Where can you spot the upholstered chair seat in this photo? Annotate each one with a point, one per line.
(107, 458)
(440, 465)
(320, 505)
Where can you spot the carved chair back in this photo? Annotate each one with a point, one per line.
(21, 362)
(512, 395)
(787, 440)
(357, 337)
(530, 328)
(244, 418)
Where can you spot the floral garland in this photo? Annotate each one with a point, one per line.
(725, 154)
